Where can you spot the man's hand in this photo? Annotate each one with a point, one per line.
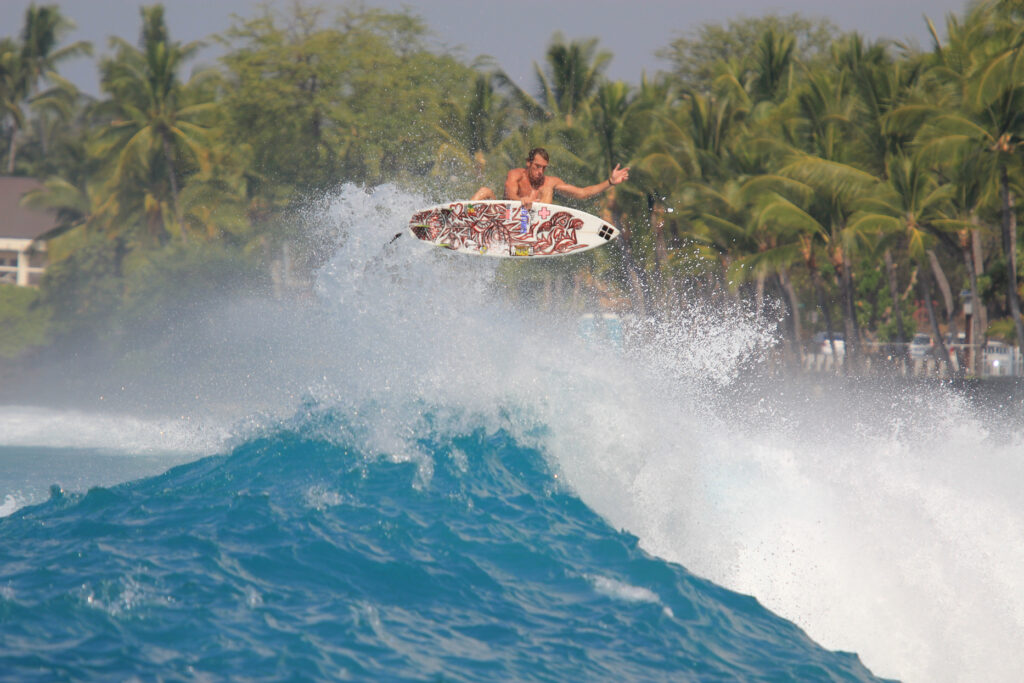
(618, 175)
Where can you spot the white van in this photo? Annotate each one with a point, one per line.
(997, 359)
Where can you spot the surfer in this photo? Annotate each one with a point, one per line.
(530, 184)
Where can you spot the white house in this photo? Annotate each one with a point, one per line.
(22, 257)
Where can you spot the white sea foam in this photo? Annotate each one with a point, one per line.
(321, 498)
(122, 596)
(10, 504)
(627, 592)
(31, 426)
(888, 530)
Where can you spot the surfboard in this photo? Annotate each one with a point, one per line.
(506, 229)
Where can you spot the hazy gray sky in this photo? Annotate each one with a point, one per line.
(514, 32)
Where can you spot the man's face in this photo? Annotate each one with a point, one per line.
(535, 169)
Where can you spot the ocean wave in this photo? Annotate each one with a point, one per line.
(315, 557)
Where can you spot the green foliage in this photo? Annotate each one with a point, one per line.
(159, 125)
(160, 285)
(100, 289)
(874, 304)
(28, 62)
(774, 151)
(357, 99)
(697, 57)
(472, 126)
(25, 323)
(84, 289)
(1002, 329)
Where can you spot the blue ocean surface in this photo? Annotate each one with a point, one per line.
(299, 555)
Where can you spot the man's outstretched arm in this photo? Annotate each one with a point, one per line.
(618, 175)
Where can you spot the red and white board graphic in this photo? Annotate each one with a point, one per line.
(506, 229)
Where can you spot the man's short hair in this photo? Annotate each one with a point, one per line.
(537, 151)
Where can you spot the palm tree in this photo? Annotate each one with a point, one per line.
(772, 68)
(158, 120)
(915, 206)
(10, 97)
(988, 68)
(214, 201)
(616, 117)
(728, 220)
(822, 139)
(799, 237)
(997, 100)
(73, 206)
(36, 61)
(967, 177)
(715, 122)
(574, 71)
(474, 126)
(883, 86)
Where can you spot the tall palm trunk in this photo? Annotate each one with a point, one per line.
(807, 251)
(926, 293)
(13, 149)
(897, 310)
(656, 218)
(793, 303)
(947, 299)
(1009, 230)
(970, 246)
(978, 253)
(819, 293)
(851, 329)
(169, 156)
(840, 264)
(972, 320)
(759, 281)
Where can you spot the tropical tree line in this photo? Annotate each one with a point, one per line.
(180, 180)
(836, 184)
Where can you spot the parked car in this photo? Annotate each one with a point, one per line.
(920, 345)
(820, 343)
(961, 340)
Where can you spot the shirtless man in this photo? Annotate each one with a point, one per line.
(530, 185)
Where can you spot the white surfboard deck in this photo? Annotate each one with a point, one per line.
(501, 228)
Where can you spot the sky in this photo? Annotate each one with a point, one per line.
(514, 32)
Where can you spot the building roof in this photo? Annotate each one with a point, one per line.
(19, 222)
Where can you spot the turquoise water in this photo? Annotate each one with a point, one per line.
(407, 476)
(298, 556)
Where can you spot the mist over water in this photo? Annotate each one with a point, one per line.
(882, 519)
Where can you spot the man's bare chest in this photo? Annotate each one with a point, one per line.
(545, 192)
